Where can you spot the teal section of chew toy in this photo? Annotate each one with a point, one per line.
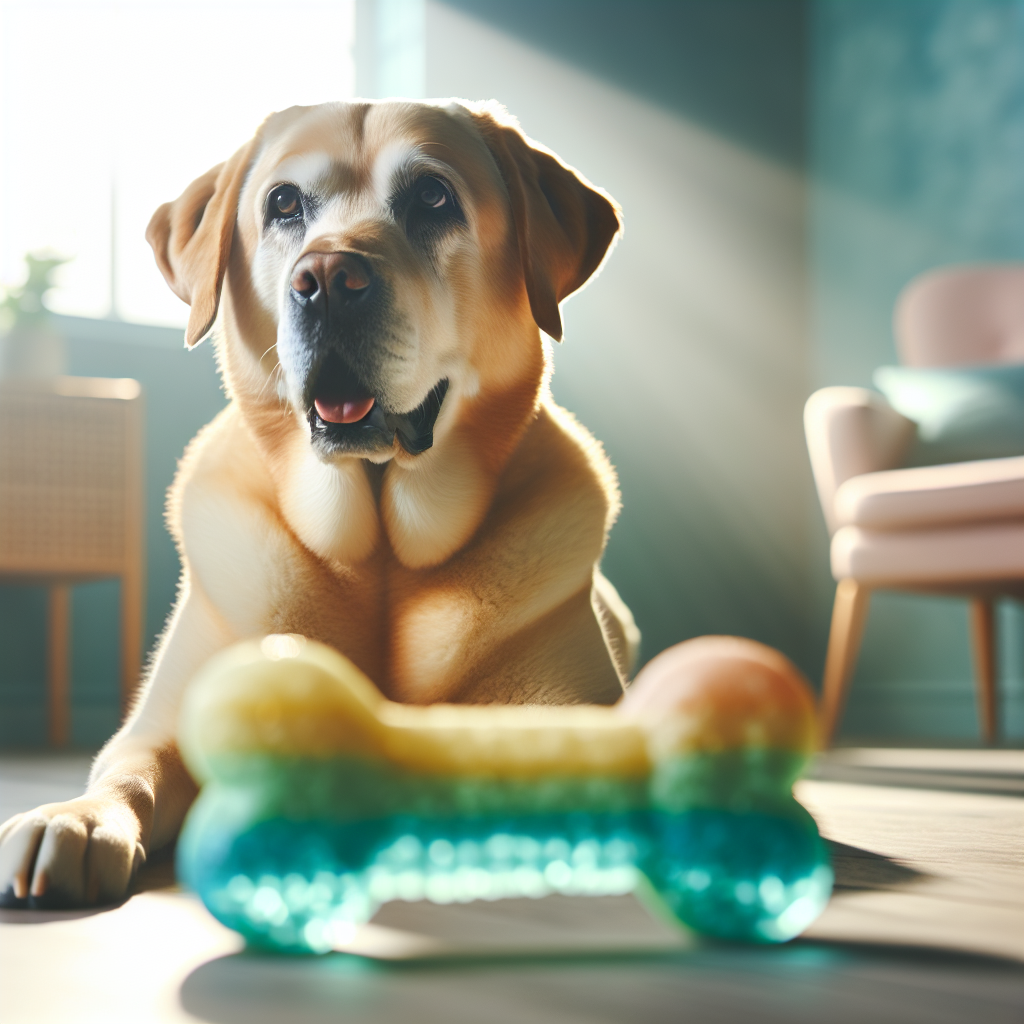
(321, 800)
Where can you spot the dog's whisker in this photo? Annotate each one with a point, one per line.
(263, 387)
(275, 374)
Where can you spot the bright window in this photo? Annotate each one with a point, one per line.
(110, 108)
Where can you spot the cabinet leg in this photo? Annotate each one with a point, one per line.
(58, 672)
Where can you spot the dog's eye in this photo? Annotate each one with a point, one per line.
(430, 208)
(284, 203)
(431, 193)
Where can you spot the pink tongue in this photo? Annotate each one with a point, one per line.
(343, 412)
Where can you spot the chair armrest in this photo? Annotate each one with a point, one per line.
(851, 431)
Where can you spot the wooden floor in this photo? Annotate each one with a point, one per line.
(926, 925)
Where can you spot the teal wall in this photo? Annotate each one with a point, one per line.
(916, 159)
(737, 67)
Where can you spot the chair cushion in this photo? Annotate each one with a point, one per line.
(898, 499)
(974, 553)
(961, 412)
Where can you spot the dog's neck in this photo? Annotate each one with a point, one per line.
(425, 507)
(432, 504)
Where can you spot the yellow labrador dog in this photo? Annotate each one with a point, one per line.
(391, 475)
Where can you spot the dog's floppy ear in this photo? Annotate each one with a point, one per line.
(565, 226)
(191, 239)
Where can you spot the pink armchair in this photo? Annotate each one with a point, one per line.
(956, 528)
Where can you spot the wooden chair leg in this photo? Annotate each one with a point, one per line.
(58, 658)
(849, 614)
(983, 645)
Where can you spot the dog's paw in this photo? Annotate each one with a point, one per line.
(79, 853)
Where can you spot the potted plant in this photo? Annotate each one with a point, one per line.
(30, 346)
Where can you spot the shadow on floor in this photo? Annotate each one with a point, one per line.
(801, 982)
(861, 869)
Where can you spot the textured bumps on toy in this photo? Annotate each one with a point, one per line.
(322, 800)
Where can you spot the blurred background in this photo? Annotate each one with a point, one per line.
(785, 167)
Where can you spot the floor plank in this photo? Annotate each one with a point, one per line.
(963, 861)
(975, 771)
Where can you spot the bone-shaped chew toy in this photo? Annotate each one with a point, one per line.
(321, 799)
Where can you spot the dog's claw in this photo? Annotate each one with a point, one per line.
(71, 854)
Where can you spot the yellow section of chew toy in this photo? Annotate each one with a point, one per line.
(289, 696)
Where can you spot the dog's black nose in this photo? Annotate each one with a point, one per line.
(323, 278)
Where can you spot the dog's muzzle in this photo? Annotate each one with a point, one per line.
(337, 306)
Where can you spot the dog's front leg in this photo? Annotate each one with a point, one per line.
(86, 850)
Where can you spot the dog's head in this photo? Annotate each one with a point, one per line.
(384, 262)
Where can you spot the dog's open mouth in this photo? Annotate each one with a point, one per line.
(344, 415)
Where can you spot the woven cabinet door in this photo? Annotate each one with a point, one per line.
(70, 477)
